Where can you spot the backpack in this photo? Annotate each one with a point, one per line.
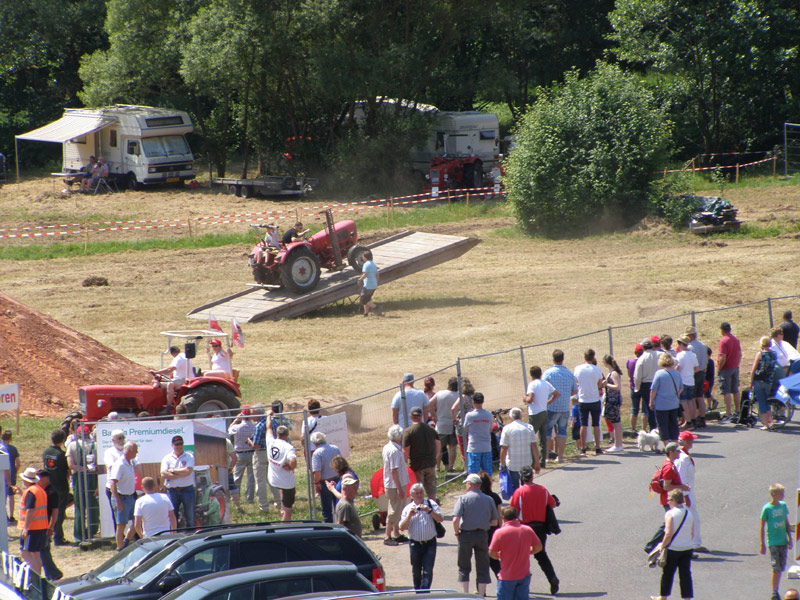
(656, 482)
(766, 365)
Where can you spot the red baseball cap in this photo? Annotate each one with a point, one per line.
(216, 343)
(655, 339)
(687, 435)
(638, 349)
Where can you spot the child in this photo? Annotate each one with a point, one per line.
(709, 383)
(775, 516)
(575, 421)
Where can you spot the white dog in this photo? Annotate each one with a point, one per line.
(651, 439)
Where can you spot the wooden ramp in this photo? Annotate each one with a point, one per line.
(396, 257)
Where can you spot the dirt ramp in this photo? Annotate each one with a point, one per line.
(50, 361)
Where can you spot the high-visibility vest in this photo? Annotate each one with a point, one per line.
(39, 520)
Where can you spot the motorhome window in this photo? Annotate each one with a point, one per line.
(165, 145)
(79, 140)
(112, 138)
(164, 121)
(133, 147)
(488, 135)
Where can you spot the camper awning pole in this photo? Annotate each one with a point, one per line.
(16, 155)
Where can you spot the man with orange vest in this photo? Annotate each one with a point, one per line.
(33, 520)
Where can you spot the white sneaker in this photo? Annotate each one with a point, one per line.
(615, 449)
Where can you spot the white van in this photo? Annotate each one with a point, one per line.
(460, 135)
(140, 144)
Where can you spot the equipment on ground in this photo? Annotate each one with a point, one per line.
(268, 185)
(712, 214)
(296, 266)
(198, 396)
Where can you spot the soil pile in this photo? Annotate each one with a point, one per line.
(50, 361)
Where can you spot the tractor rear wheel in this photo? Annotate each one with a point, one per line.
(209, 398)
(355, 256)
(473, 175)
(300, 271)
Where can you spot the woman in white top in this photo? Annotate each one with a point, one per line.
(220, 360)
(678, 524)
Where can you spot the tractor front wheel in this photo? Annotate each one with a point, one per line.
(355, 256)
(209, 398)
(300, 271)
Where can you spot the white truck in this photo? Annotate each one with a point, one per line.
(141, 145)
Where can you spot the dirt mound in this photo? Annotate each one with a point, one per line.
(50, 361)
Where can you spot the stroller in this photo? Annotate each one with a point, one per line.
(786, 398)
(747, 416)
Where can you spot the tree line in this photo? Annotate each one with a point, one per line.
(267, 78)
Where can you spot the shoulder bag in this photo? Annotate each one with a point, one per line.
(440, 530)
(661, 560)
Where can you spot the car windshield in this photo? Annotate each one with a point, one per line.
(126, 560)
(165, 145)
(152, 567)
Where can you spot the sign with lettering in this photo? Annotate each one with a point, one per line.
(9, 396)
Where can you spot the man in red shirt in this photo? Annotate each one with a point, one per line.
(729, 356)
(512, 544)
(531, 501)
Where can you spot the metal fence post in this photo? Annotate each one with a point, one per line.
(694, 321)
(312, 502)
(404, 417)
(610, 342)
(524, 374)
(769, 307)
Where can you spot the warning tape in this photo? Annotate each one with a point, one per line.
(693, 169)
(144, 224)
(713, 154)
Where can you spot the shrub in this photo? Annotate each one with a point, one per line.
(585, 153)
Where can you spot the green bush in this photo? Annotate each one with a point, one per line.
(585, 153)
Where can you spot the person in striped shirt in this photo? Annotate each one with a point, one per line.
(417, 518)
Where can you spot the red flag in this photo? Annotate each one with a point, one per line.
(213, 324)
(238, 334)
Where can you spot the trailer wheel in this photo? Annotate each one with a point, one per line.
(289, 183)
(133, 184)
(233, 190)
(355, 256)
(247, 191)
(300, 271)
(209, 398)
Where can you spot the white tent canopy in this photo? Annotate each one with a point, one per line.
(66, 128)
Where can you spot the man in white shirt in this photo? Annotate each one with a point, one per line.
(440, 406)
(177, 472)
(395, 480)
(153, 512)
(518, 447)
(589, 377)
(540, 394)
(179, 370)
(688, 365)
(282, 463)
(123, 492)
(110, 456)
(413, 397)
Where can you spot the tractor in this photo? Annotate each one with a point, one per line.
(198, 395)
(296, 266)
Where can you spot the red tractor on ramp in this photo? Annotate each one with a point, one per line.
(199, 396)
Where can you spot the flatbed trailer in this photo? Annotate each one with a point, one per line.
(269, 185)
(396, 257)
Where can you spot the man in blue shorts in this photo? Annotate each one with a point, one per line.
(561, 378)
(478, 431)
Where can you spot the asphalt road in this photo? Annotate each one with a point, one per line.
(606, 517)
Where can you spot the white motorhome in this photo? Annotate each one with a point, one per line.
(140, 144)
(460, 135)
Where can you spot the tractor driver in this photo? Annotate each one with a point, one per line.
(295, 234)
(180, 369)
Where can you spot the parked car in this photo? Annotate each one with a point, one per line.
(220, 549)
(409, 594)
(274, 581)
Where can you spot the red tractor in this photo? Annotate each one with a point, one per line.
(198, 395)
(296, 266)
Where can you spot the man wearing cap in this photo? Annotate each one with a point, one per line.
(346, 513)
(670, 480)
(518, 447)
(395, 481)
(219, 360)
(405, 400)
(421, 446)
(49, 567)
(242, 429)
(54, 460)
(643, 373)
(110, 456)
(688, 367)
(177, 473)
(701, 352)
(153, 512)
(729, 355)
(478, 437)
(33, 521)
(282, 463)
(474, 513)
(561, 378)
(531, 501)
(123, 492)
(685, 466)
(512, 545)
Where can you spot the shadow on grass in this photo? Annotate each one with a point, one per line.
(350, 308)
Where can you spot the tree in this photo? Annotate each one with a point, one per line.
(585, 153)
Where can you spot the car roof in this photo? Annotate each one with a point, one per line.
(216, 581)
(219, 532)
(405, 594)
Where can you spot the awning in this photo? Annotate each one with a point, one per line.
(67, 128)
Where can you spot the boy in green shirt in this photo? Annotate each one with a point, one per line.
(775, 516)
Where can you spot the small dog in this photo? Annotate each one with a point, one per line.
(651, 439)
